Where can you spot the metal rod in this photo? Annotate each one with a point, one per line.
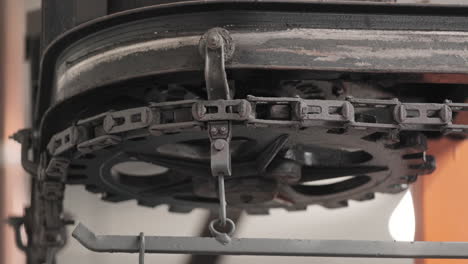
(142, 240)
(272, 247)
(222, 200)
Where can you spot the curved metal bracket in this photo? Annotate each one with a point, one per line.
(216, 46)
(16, 223)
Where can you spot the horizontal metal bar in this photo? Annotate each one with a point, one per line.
(272, 247)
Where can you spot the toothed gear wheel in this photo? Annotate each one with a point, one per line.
(313, 166)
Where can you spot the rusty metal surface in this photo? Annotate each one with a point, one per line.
(353, 40)
(247, 16)
(314, 126)
(295, 49)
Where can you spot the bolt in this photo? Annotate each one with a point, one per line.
(108, 123)
(400, 113)
(223, 130)
(214, 131)
(243, 109)
(200, 109)
(213, 40)
(219, 144)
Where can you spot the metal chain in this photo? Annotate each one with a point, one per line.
(100, 131)
(111, 128)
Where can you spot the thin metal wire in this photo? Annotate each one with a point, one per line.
(222, 200)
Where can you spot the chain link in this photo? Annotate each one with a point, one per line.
(217, 116)
(110, 128)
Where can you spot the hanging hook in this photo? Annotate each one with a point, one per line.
(227, 224)
(224, 237)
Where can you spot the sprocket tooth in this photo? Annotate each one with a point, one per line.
(335, 205)
(257, 211)
(75, 178)
(93, 188)
(426, 167)
(114, 198)
(410, 179)
(414, 156)
(374, 137)
(180, 209)
(296, 208)
(411, 141)
(419, 163)
(396, 188)
(147, 204)
(364, 197)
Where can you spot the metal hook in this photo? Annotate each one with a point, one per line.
(222, 237)
(142, 249)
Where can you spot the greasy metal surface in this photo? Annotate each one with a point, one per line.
(294, 48)
(265, 15)
(272, 247)
(357, 137)
(122, 48)
(216, 46)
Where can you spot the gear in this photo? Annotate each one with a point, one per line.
(316, 165)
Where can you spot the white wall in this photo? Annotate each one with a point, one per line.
(362, 220)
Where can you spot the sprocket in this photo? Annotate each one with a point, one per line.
(312, 166)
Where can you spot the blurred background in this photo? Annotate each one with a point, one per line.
(388, 217)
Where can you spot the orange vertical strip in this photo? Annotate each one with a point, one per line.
(12, 85)
(441, 199)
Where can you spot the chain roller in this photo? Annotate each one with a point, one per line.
(294, 113)
(127, 120)
(217, 117)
